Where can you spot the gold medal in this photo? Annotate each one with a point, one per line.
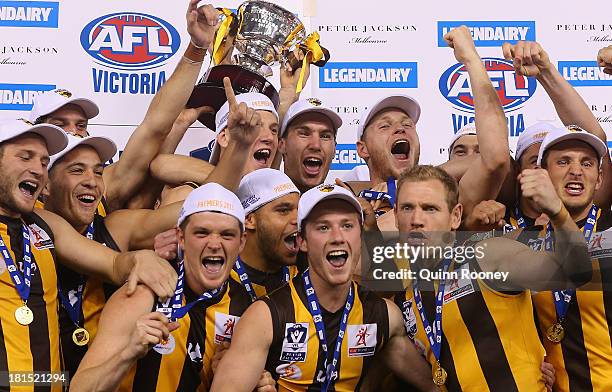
(555, 333)
(80, 336)
(24, 315)
(439, 375)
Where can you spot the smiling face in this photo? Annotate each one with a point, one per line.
(389, 144)
(574, 170)
(211, 242)
(76, 186)
(275, 227)
(23, 165)
(308, 148)
(332, 240)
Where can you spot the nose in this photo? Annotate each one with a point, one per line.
(575, 168)
(417, 220)
(214, 242)
(89, 179)
(336, 235)
(314, 142)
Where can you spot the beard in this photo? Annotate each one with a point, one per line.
(267, 242)
(7, 198)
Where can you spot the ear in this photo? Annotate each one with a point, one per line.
(362, 150)
(250, 222)
(302, 243)
(243, 239)
(223, 138)
(456, 216)
(181, 238)
(599, 181)
(46, 191)
(282, 148)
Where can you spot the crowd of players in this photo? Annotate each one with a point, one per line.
(162, 272)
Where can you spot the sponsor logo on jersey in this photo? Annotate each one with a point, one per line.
(361, 340)
(295, 342)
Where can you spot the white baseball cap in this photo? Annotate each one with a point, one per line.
(533, 134)
(403, 102)
(572, 132)
(212, 197)
(314, 196)
(262, 186)
(256, 101)
(104, 146)
(468, 129)
(50, 101)
(309, 105)
(54, 136)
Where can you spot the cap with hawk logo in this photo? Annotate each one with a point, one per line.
(314, 196)
(572, 132)
(309, 105)
(50, 101)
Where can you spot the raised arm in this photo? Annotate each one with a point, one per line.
(401, 356)
(484, 178)
(243, 364)
(531, 59)
(126, 332)
(174, 169)
(568, 266)
(124, 178)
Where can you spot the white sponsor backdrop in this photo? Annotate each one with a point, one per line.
(394, 38)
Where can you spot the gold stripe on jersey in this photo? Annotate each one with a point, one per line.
(583, 359)
(260, 287)
(489, 342)
(200, 332)
(34, 347)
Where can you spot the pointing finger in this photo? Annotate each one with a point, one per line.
(229, 93)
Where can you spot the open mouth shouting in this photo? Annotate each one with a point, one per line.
(400, 149)
(87, 199)
(312, 165)
(213, 264)
(291, 242)
(337, 258)
(262, 156)
(28, 188)
(574, 188)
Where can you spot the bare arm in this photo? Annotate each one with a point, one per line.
(178, 169)
(126, 332)
(401, 356)
(242, 365)
(483, 179)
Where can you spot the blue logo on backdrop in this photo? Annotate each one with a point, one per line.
(491, 33)
(203, 153)
(367, 74)
(29, 14)
(610, 148)
(346, 157)
(584, 73)
(21, 96)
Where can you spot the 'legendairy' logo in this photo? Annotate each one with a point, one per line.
(513, 90)
(366, 74)
(346, 157)
(29, 14)
(584, 73)
(21, 96)
(129, 41)
(491, 33)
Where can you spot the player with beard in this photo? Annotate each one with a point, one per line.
(485, 337)
(270, 201)
(322, 330)
(125, 178)
(34, 241)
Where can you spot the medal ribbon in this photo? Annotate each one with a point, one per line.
(563, 298)
(246, 282)
(312, 46)
(433, 335)
(173, 308)
(22, 282)
(74, 311)
(370, 194)
(315, 311)
(520, 220)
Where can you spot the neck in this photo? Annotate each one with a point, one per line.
(331, 297)
(5, 211)
(580, 213)
(376, 177)
(254, 257)
(78, 226)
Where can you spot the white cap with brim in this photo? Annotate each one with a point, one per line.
(314, 196)
(572, 133)
(533, 134)
(256, 101)
(49, 101)
(468, 129)
(54, 136)
(403, 102)
(262, 186)
(105, 147)
(212, 197)
(310, 105)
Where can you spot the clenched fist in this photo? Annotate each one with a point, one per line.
(486, 215)
(537, 187)
(604, 59)
(460, 39)
(528, 56)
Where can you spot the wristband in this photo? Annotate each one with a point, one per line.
(560, 217)
(194, 54)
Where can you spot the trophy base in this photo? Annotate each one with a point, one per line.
(211, 92)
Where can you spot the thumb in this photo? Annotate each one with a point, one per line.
(132, 283)
(507, 50)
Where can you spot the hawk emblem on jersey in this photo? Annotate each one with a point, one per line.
(224, 327)
(39, 238)
(295, 342)
(361, 340)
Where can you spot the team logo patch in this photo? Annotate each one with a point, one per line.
(536, 244)
(289, 370)
(63, 93)
(165, 348)
(410, 321)
(600, 245)
(39, 238)
(457, 288)
(361, 340)
(26, 121)
(195, 354)
(295, 342)
(326, 188)
(224, 327)
(314, 101)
